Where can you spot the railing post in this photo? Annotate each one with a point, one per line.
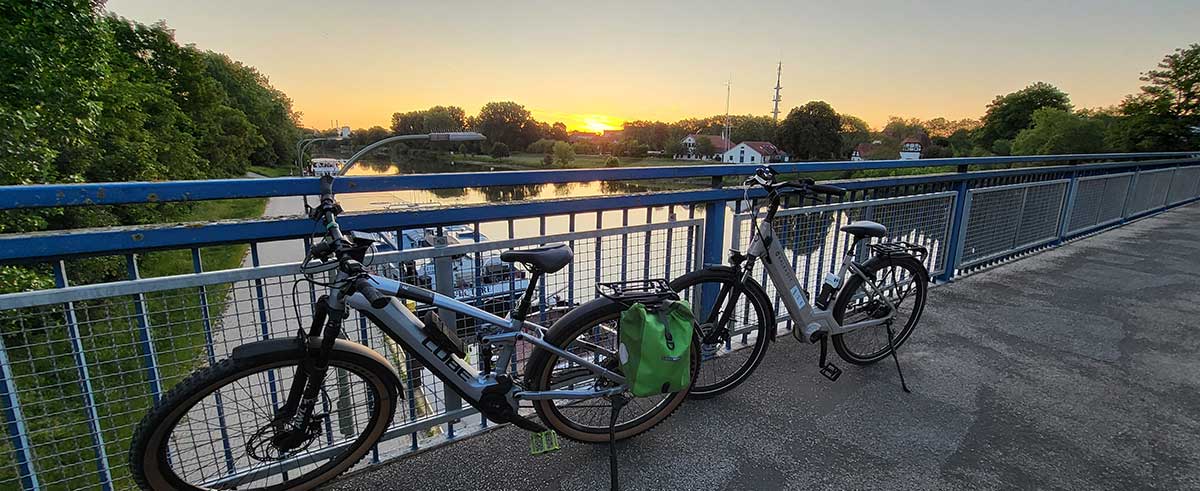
(85, 382)
(14, 418)
(714, 242)
(145, 340)
(1068, 207)
(443, 278)
(210, 350)
(958, 227)
(1129, 194)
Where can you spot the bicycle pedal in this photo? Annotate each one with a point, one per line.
(543, 443)
(831, 372)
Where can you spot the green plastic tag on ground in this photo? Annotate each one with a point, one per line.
(544, 442)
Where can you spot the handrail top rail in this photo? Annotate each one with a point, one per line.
(35, 246)
(114, 193)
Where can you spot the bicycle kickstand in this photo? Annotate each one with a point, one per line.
(618, 402)
(892, 347)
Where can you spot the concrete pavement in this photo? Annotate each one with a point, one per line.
(1077, 368)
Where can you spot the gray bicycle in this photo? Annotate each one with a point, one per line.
(868, 308)
(294, 413)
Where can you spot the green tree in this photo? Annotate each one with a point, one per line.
(753, 128)
(674, 147)
(811, 132)
(854, 132)
(53, 64)
(1165, 115)
(612, 162)
(267, 109)
(585, 148)
(500, 150)
(705, 147)
(563, 153)
(443, 119)
(506, 122)
(545, 145)
(1008, 114)
(1056, 131)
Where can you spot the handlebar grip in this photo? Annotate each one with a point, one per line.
(827, 189)
(378, 300)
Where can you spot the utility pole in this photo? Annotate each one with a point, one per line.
(778, 87)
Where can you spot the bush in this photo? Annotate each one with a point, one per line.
(545, 145)
(612, 162)
(585, 148)
(547, 160)
(500, 150)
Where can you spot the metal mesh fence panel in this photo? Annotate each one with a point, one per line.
(85, 364)
(812, 238)
(1098, 201)
(1150, 191)
(1006, 219)
(1116, 195)
(1183, 185)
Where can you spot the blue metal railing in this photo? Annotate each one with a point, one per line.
(1166, 179)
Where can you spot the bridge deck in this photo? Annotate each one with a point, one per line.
(1076, 368)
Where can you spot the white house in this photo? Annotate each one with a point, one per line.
(752, 152)
(910, 148)
(719, 143)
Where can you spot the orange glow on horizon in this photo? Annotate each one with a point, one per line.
(590, 123)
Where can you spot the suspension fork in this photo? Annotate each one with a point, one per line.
(327, 324)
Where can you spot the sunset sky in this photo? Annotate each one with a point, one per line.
(596, 64)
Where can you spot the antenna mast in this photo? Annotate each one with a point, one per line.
(725, 133)
(778, 87)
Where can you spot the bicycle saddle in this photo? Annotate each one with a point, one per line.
(546, 259)
(865, 228)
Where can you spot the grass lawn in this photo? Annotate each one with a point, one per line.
(272, 171)
(41, 356)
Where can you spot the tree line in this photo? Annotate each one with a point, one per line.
(1038, 119)
(87, 96)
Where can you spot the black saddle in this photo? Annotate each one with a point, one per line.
(546, 259)
(865, 228)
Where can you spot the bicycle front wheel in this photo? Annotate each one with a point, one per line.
(218, 428)
(730, 356)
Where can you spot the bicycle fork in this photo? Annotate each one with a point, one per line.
(298, 410)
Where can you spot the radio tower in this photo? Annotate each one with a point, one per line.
(778, 78)
(725, 133)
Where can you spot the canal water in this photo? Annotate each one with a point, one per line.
(531, 227)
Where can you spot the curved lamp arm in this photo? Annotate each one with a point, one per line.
(458, 136)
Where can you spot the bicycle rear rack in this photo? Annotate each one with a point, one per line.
(900, 248)
(646, 292)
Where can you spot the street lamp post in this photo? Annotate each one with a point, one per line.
(302, 145)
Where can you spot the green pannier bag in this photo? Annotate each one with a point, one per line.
(656, 347)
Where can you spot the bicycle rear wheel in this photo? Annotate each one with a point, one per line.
(904, 281)
(726, 364)
(590, 332)
(217, 428)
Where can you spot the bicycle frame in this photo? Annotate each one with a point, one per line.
(403, 326)
(809, 318)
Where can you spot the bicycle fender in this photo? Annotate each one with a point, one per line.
(293, 345)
